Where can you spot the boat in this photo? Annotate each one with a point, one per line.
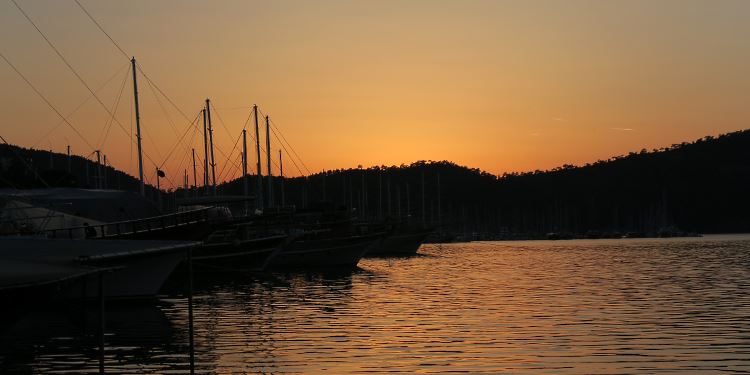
(400, 243)
(241, 247)
(314, 249)
(138, 268)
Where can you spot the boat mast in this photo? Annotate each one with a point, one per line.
(281, 174)
(246, 188)
(259, 186)
(268, 158)
(195, 179)
(205, 152)
(138, 128)
(211, 140)
(104, 184)
(98, 169)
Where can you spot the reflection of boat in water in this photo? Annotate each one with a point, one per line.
(315, 250)
(139, 268)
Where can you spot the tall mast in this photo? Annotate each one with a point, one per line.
(268, 167)
(205, 152)
(281, 174)
(211, 140)
(259, 187)
(104, 185)
(138, 128)
(246, 188)
(98, 169)
(195, 179)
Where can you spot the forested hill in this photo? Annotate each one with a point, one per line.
(703, 186)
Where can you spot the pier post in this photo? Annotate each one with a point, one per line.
(101, 322)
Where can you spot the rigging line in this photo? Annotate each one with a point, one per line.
(184, 156)
(192, 124)
(287, 152)
(15, 152)
(236, 167)
(221, 172)
(60, 55)
(221, 121)
(273, 161)
(101, 29)
(78, 76)
(179, 141)
(59, 123)
(114, 109)
(46, 100)
(139, 67)
(273, 124)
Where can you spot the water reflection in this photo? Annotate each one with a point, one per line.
(597, 306)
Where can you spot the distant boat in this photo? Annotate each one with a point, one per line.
(139, 268)
(403, 242)
(315, 251)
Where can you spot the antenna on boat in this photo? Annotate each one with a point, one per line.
(138, 129)
(205, 152)
(259, 193)
(268, 158)
(211, 140)
(245, 187)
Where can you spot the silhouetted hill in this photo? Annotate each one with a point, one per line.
(701, 186)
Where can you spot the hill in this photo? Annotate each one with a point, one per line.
(701, 186)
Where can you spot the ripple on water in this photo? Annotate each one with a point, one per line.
(597, 306)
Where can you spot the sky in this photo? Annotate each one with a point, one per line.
(498, 85)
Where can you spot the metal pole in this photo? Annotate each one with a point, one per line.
(281, 173)
(98, 170)
(245, 187)
(101, 322)
(259, 187)
(268, 159)
(138, 129)
(211, 139)
(205, 152)
(195, 177)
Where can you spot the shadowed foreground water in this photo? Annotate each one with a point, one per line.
(599, 306)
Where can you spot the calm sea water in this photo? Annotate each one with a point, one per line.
(598, 306)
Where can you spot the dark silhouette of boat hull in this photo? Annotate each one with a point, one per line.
(400, 244)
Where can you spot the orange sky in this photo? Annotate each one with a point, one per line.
(498, 85)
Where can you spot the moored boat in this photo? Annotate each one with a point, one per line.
(400, 243)
(139, 268)
(311, 251)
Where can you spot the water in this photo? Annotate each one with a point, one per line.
(598, 306)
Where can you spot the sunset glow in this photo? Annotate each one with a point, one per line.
(497, 85)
